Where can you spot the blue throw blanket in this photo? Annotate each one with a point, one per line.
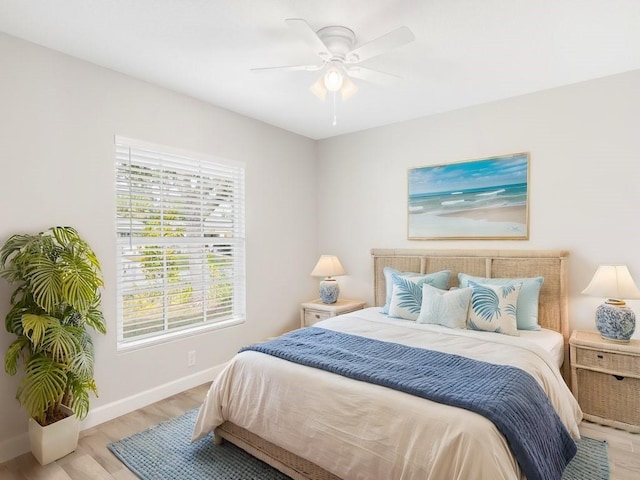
(508, 396)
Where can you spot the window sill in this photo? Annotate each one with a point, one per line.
(132, 345)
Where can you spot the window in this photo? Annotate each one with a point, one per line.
(180, 240)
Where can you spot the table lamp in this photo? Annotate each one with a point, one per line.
(328, 266)
(614, 320)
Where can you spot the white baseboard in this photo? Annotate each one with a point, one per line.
(14, 446)
(19, 444)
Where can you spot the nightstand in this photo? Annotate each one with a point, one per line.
(605, 379)
(315, 311)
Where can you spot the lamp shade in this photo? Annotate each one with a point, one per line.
(328, 266)
(612, 281)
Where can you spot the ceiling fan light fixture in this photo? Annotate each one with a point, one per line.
(318, 89)
(348, 89)
(333, 79)
(336, 46)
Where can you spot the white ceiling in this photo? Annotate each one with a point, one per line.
(466, 52)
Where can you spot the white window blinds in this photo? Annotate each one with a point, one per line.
(180, 240)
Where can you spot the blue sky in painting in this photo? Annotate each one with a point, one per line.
(469, 175)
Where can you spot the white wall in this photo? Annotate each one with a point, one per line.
(584, 185)
(58, 118)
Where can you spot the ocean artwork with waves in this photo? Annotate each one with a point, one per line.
(484, 199)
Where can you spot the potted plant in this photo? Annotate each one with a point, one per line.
(53, 308)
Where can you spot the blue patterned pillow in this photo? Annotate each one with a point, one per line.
(493, 308)
(438, 279)
(406, 296)
(447, 308)
(527, 312)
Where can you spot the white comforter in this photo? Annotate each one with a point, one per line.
(358, 430)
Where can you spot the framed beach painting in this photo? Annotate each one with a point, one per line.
(486, 198)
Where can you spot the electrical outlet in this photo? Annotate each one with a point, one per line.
(191, 358)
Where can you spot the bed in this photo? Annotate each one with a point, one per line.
(314, 424)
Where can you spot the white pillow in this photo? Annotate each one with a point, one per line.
(447, 308)
(493, 308)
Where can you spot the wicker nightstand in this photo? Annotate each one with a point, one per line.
(315, 311)
(605, 379)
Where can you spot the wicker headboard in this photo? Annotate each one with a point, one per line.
(550, 264)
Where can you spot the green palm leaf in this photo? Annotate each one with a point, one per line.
(80, 402)
(83, 360)
(13, 354)
(12, 245)
(13, 320)
(35, 326)
(79, 282)
(11, 274)
(42, 386)
(82, 249)
(78, 399)
(94, 317)
(64, 235)
(485, 302)
(45, 281)
(61, 342)
(70, 237)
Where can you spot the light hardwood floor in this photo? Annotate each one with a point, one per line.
(93, 461)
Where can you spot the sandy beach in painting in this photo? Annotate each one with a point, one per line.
(507, 221)
(509, 214)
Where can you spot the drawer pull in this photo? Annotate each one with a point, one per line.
(317, 315)
(618, 377)
(600, 357)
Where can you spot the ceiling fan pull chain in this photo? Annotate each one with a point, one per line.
(335, 117)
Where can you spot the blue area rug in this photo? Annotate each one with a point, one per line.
(164, 452)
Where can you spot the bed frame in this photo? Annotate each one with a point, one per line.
(552, 314)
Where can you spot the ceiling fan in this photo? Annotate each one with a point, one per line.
(340, 61)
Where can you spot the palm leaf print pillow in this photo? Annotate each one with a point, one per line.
(437, 279)
(493, 308)
(406, 296)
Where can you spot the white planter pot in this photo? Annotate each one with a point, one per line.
(56, 440)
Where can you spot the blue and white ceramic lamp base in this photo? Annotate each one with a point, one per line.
(329, 290)
(616, 323)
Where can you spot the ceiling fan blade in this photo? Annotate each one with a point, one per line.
(302, 68)
(304, 30)
(394, 39)
(370, 75)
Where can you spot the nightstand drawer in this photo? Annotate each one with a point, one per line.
(314, 316)
(611, 397)
(316, 311)
(617, 362)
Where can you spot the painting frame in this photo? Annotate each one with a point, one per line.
(480, 199)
